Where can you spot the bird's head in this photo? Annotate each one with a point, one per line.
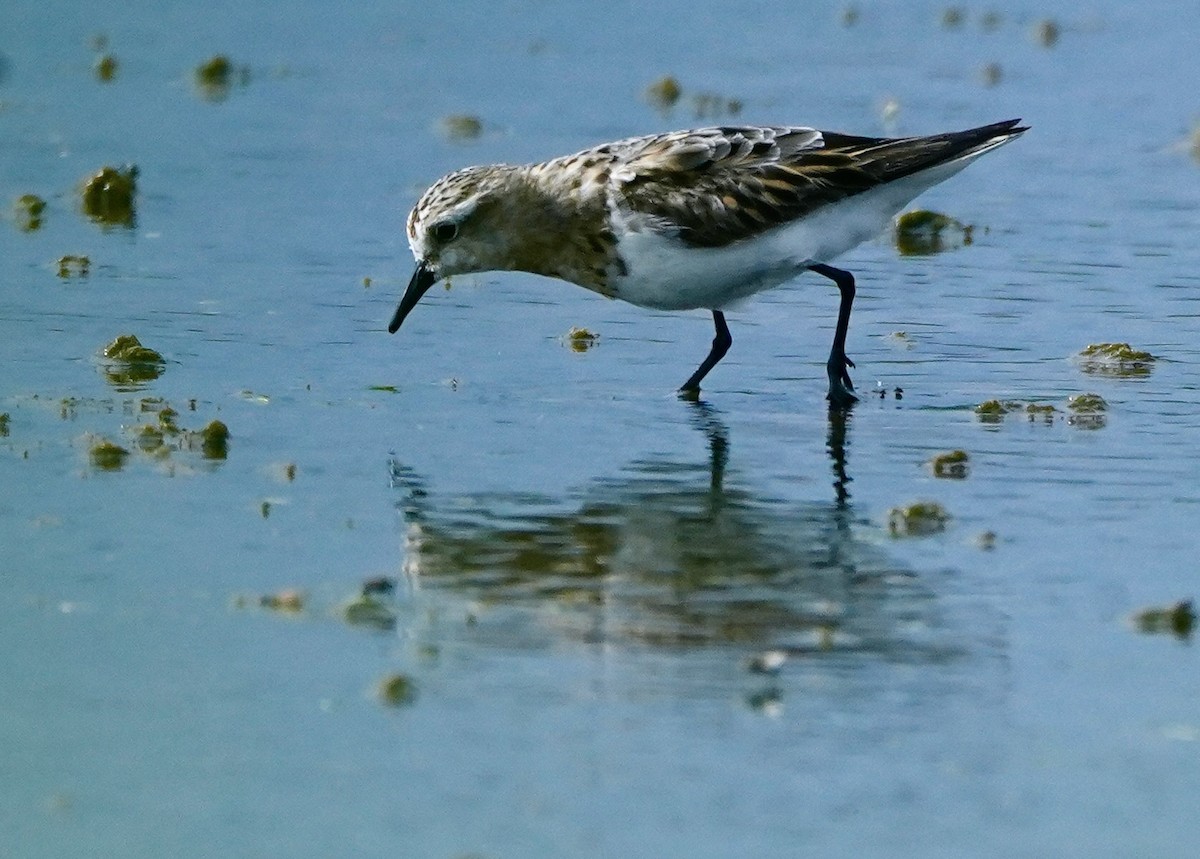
(454, 229)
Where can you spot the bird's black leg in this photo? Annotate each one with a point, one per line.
(841, 389)
(720, 345)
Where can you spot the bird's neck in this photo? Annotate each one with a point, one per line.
(560, 229)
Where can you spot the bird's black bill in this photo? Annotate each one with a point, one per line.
(422, 279)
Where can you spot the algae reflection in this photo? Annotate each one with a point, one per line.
(673, 553)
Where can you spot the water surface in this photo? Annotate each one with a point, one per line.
(585, 563)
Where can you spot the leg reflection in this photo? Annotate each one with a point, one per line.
(708, 420)
(835, 443)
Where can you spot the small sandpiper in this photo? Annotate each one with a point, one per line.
(688, 219)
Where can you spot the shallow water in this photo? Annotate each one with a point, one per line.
(585, 563)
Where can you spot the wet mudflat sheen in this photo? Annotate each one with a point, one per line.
(276, 583)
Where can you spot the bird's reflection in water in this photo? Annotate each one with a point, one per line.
(674, 553)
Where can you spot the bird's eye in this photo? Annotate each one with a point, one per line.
(446, 231)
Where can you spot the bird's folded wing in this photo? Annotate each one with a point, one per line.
(715, 186)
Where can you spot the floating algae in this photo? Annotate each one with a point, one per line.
(369, 610)
(106, 67)
(581, 339)
(131, 364)
(953, 17)
(922, 232)
(1178, 619)
(1115, 359)
(167, 420)
(163, 437)
(396, 690)
(73, 265)
(1046, 32)
(5, 420)
(213, 440)
(918, 519)
(994, 411)
(107, 455)
(1087, 411)
(378, 585)
(461, 126)
(109, 196)
(663, 93)
(215, 77)
(126, 347)
(951, 464)
(27, 212)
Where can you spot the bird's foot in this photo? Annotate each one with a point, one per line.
(841, 389)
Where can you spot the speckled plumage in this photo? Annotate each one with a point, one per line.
(687, 219)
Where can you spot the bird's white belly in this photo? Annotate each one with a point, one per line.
(664, 273)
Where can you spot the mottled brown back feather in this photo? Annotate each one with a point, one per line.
(720, 185)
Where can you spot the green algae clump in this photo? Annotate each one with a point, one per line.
(215, 72)
(168, 420)
(396, 690)
(367, 610)
(1178, 619)
(922, 233)
(663, 93)
(1086, 403)
(109, 196)
(216, 76)
(1115, 359)
(127, 348)
(1046, 32)
(214, 440)
(27, 212)
(5, 419)
(581, 339)
(994, 411)
(1088, 411)
(73, 265)
(918, 519)
(107, 455)
(132, 364)
(106, 67)
(951, 464)
(461, 126)
(953, 17)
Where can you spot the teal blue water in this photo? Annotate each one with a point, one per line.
(585, 565)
